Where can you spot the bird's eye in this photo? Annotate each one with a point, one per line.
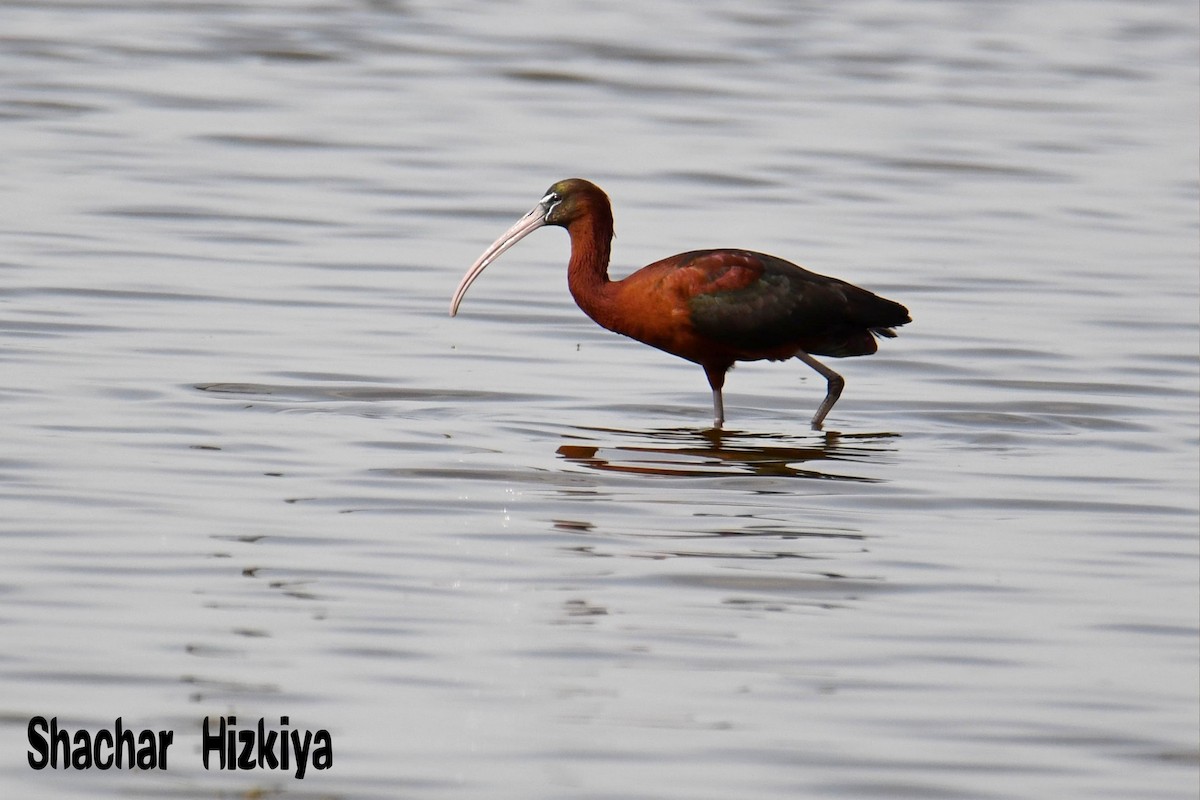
(550, 201)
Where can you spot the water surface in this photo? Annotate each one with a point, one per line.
(251, 467)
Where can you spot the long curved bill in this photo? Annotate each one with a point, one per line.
(526, 225)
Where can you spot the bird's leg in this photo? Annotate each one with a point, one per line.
(835, 385)
(716, 379)
(718, 409)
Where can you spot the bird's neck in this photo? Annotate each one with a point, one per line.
(587, 274)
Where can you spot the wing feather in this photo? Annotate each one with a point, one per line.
(754, 303)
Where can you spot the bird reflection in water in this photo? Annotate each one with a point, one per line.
(717, 453)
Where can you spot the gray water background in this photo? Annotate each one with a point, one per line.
(249, 466)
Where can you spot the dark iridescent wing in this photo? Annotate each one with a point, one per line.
(756, 302)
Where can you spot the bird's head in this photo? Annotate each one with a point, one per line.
(567, 201)
(563, 203)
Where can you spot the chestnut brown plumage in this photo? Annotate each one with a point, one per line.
(711, 307)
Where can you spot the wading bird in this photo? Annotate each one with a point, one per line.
(712, 307)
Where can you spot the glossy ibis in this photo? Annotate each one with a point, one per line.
(712, 307)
